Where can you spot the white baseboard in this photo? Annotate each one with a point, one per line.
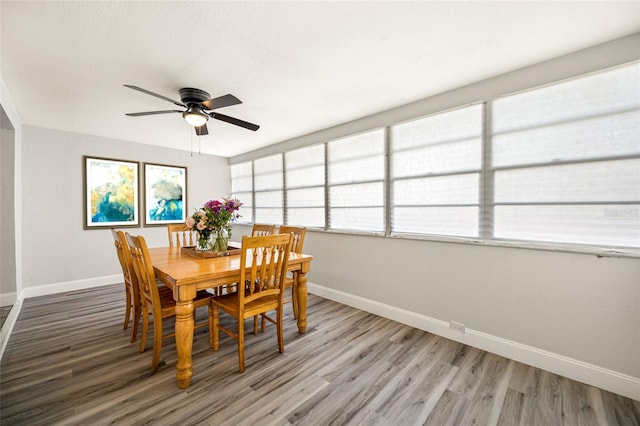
(590, 374)
(44, 290)
(8, 299)
(7, 327)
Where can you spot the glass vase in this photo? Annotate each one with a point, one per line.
(220, 241)
(205, 242)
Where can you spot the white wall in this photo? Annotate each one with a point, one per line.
(11, 194)
(57, 251)
(7, 213)
(576, 305)
(11, 241)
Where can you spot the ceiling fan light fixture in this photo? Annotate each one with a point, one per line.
(195, 116)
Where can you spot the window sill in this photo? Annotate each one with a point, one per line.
(529, 245)
(526, 245)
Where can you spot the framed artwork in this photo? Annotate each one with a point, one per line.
(165, 194)
(111, 190)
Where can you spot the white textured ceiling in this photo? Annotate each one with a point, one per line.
(298, 67)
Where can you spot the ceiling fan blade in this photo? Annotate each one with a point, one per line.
(221, 101)
(138, 114)
(202, 130)
(235, 121)
(140, 89)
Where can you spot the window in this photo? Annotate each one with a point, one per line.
(305, 182)
(435, 174)
(566, 161)
(558, 165)
(267, 182)
(356, 171)
(242, 189)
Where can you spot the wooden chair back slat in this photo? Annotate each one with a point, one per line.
(299, 232)
(269, 255)
(144, 271)
(180, 235)
(297, 242)
(262, 229)
(122, 250)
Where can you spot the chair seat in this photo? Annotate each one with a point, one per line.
(229, 304)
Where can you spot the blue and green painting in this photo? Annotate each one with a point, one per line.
(112, 193)
(167, 197)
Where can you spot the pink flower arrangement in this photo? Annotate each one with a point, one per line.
(214, 216)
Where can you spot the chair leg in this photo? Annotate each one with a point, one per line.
(255, 324)
(214, 322)
(280, 330)
(241, 343)
(136, 321)
(145, 327)
(128, 312)
(157, 342)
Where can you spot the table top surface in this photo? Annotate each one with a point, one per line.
(184, 269)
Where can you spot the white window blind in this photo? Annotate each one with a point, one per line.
(566, 161)
(242, 189)
(435, 173)
(304, 182)
(268, 190)
(356, 172)
(558, 164)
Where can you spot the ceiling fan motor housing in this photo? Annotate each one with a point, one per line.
(190, 95)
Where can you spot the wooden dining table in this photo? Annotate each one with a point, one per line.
(186, 274)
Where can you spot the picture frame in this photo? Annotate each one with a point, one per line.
(110, 193)
(165, 194)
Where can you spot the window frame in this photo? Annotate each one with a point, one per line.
(481, 203)
(288, 188)
(280, 189)
(383, 181)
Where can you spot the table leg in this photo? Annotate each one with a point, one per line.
(184, 339)
(302, 301)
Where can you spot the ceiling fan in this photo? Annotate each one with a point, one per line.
(199, 106)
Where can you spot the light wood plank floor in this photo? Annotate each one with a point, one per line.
(68, 362)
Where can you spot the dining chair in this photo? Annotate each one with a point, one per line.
(262, 229)
(157, 301)
(132, 291)
(265, 259)
(297, 242)
(180, 235)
